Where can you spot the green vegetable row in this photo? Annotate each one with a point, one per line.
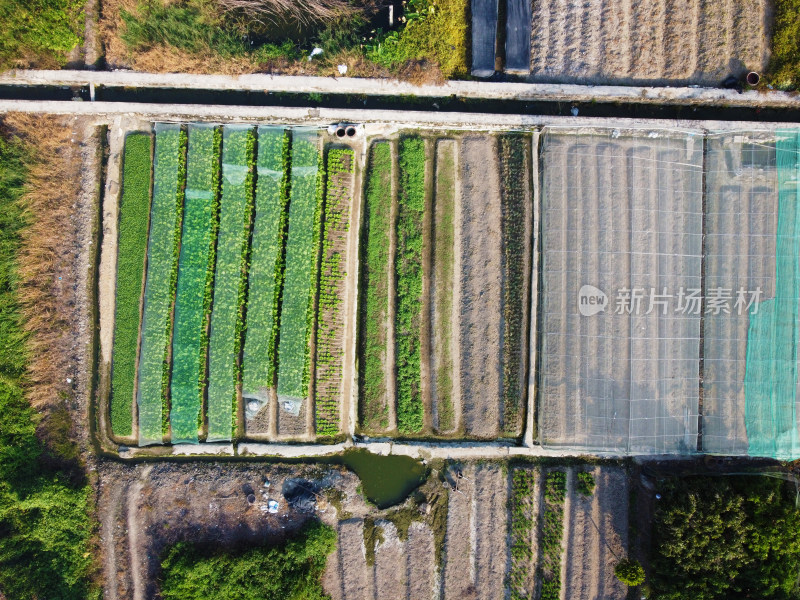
(555, 487)
(133, 218)
(522, 525)
(408, 274)
(230, 278)
(340, 163)
(194, 281)
(162, 250)
(374, 285)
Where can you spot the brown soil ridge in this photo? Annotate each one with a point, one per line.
(481, 285)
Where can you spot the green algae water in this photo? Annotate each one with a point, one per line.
(385, 480)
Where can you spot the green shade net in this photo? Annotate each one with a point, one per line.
(770, 381)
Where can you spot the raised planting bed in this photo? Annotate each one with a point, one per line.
(375, 252)
(195, 273)
(408, 275)
(302, 250)
(523, 526)
(330, 328)
(265, 276)
(555, 487)
(134, 212)
(229, 280)
(162, 251)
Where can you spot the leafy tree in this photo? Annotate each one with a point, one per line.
(288, 572)
(729, 538)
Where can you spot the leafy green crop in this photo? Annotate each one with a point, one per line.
(408, 272)
(229, 281)
(302, 248)
(266, 262)
(165, 220)
(375, 288)
(40, 30)
(522, 524)
(134, 212)
(195, 271)
(555, 486)
(331, 289)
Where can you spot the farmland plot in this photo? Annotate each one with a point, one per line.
(229, 279)
(330, 331)
(658, 42)
(134, 209)
(162, 252)
(297, 310)
(265, 275)
(376, 382)
(195, 270)
(621, 213)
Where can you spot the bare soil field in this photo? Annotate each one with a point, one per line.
(654, 42)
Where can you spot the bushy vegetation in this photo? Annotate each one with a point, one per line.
(195, 274)
(45, 521)
(513, 169)
(340, 164)
(408, 277)
(555, 487)
(719, 538)
(435, 31)
(290, 571)
(134, 212)
(39, 32)
(230, 278)
(629, 572)
(430, 35)
(784, 65)
(266, 261)
(375, 287)
(586, 483)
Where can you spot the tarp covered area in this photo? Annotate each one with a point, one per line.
(484, 37)
(518, 36)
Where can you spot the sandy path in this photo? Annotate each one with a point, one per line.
(357, 579)
(481, 259)
(390, 577)
(489, 507)
(332, 577)
(420, 562)
(425, 363)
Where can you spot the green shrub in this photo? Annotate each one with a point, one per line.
(134, 212)
(585, 484)
(629, 572)
(291, 571)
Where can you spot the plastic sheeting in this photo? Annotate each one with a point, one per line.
(621, 212)
(484, 37)
(518, 36)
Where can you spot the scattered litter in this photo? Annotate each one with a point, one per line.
(273, 506)
(251, 498)
(315, 52)
(342, 69)
(574, 111)
(615, 134)
(69, 379)
(266, 482)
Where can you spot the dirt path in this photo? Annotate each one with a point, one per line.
(425, 364)
(459, 566)
(420, 562)
(658, 42)
(481, 287)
